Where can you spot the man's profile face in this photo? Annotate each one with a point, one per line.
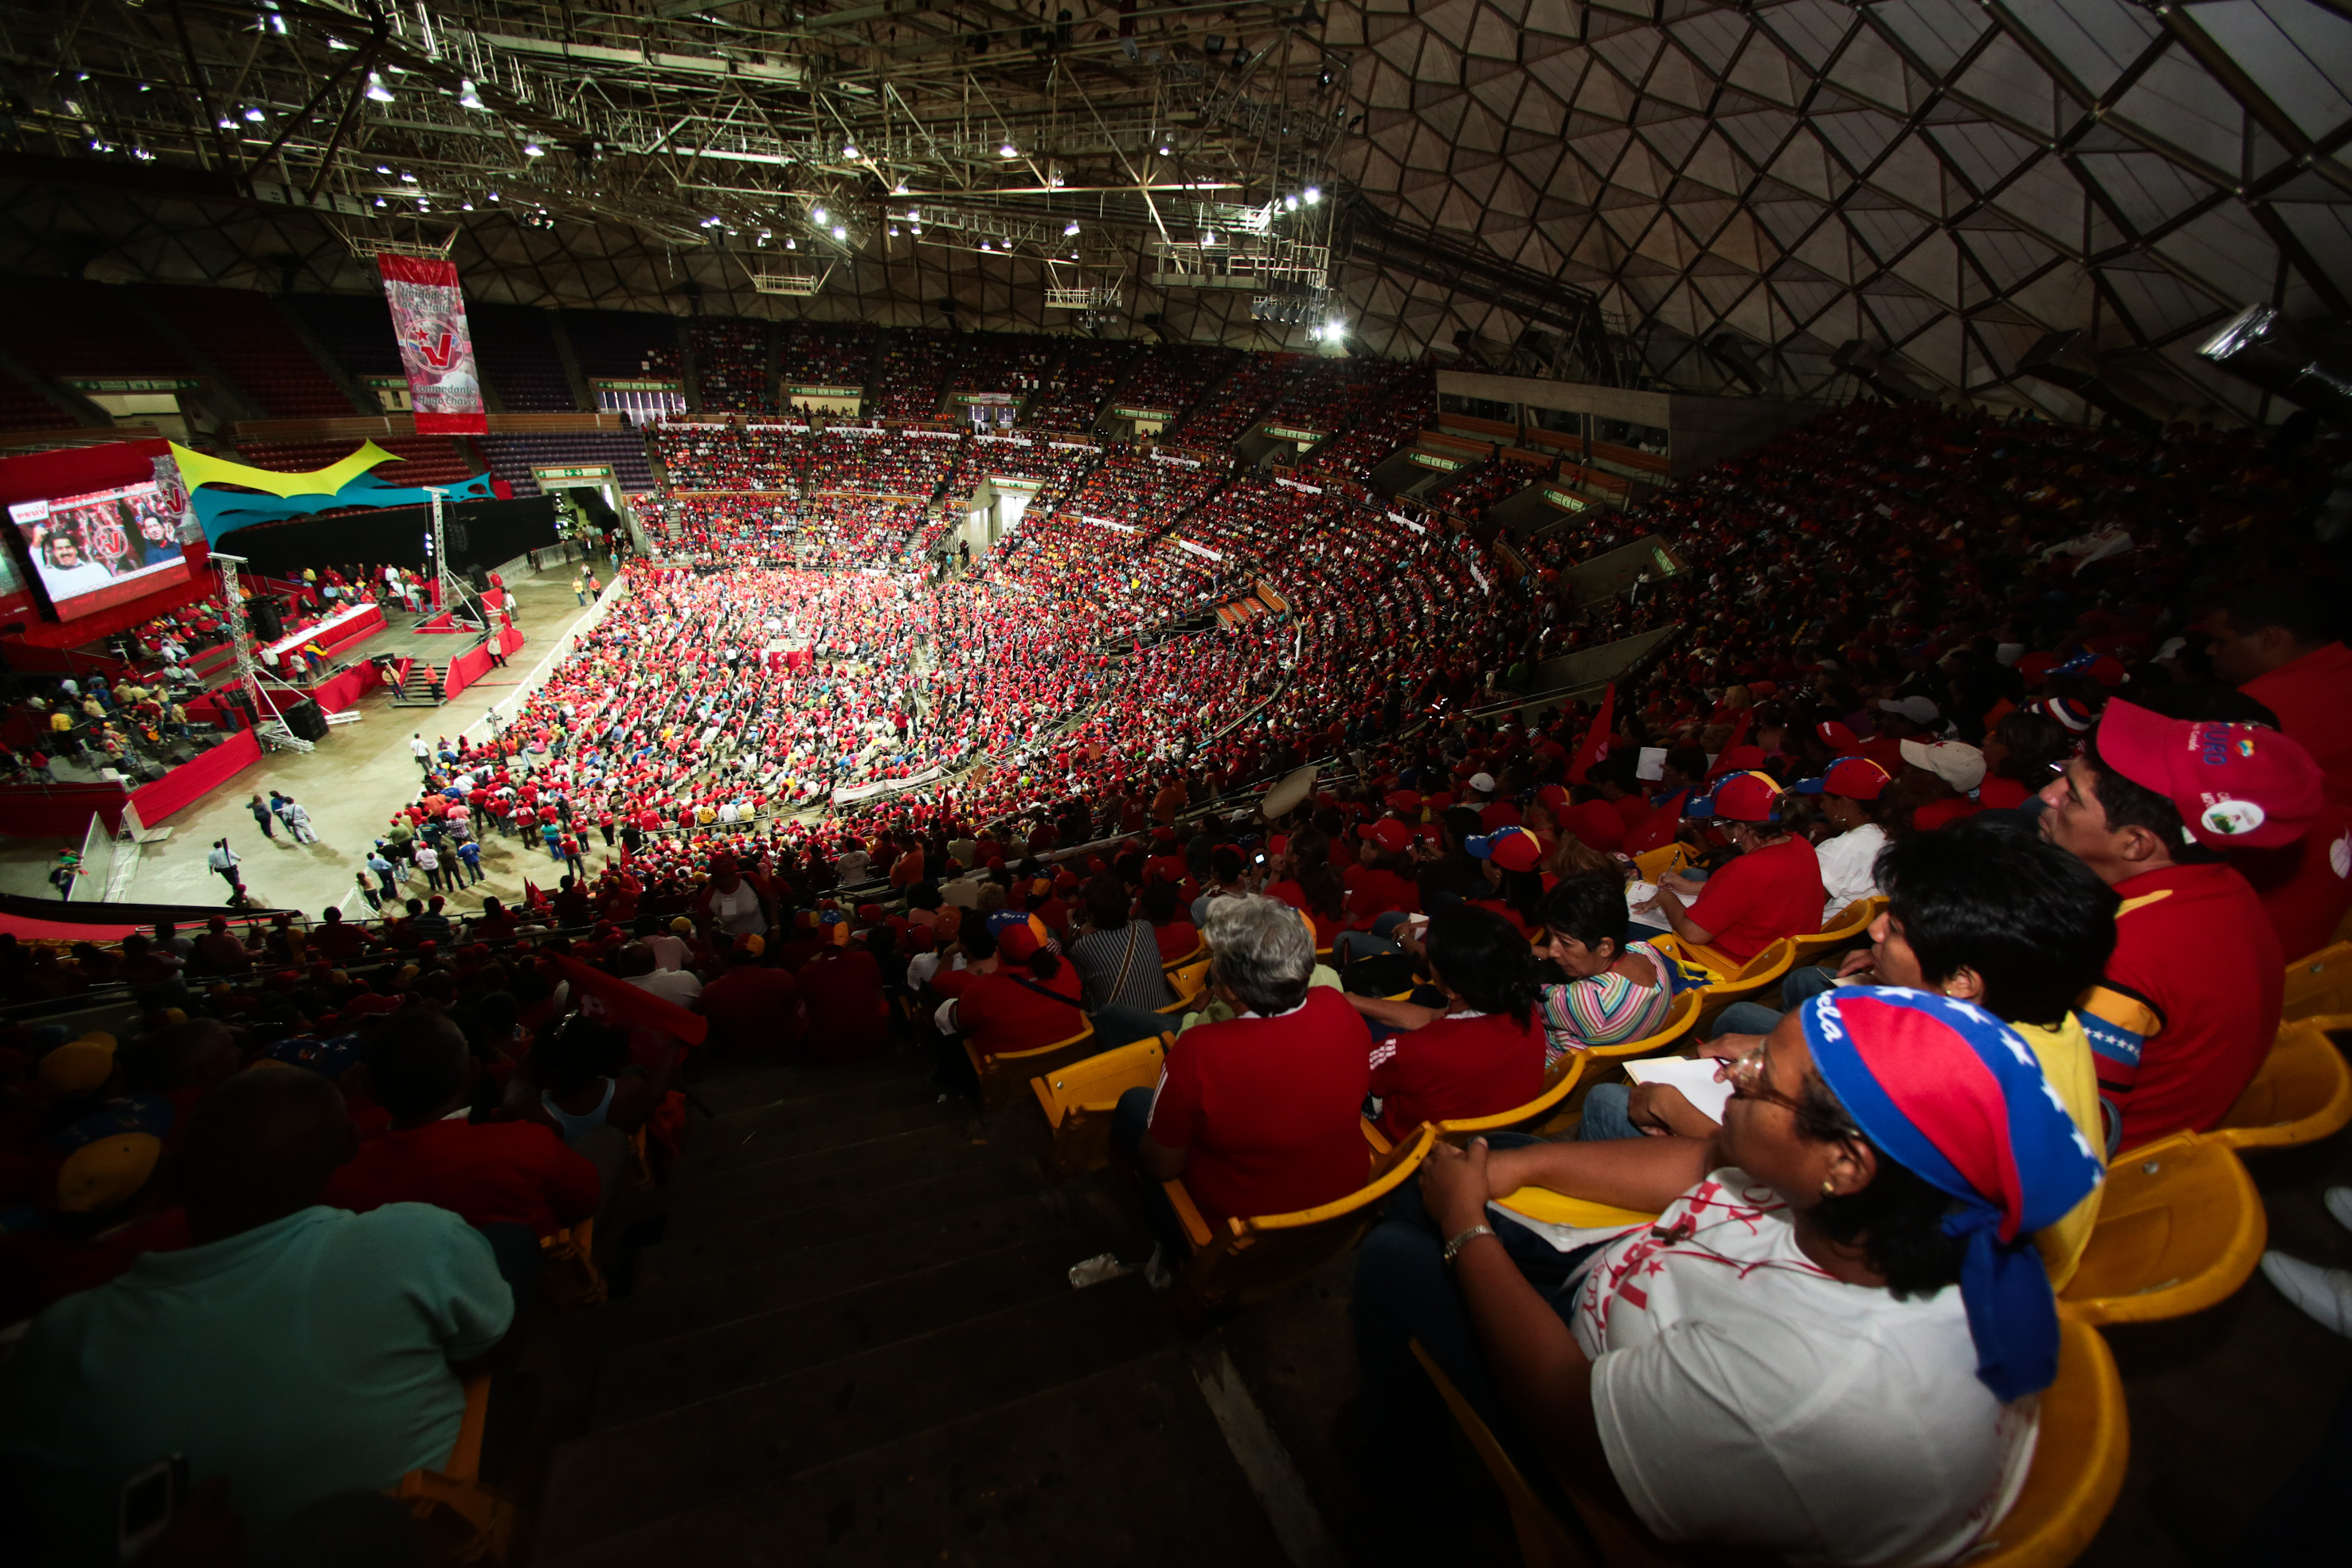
(2238, 655)
(2075, 821)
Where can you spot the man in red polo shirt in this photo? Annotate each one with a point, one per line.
(2190, 1001)
(1257, 1114)
(1773, 890)
(2275, 642)
(513, 1173)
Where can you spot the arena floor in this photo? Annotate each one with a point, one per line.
(349, 784)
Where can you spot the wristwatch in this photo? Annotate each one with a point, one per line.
(1454, 1248)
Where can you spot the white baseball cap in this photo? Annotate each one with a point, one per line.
(1482, 782)
(1961, 766)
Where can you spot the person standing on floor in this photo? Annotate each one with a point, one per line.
(422, 752)
(469, 857)
(580, 588)
(262, 817)
(224, 861)
(428, 861)
(297, 819)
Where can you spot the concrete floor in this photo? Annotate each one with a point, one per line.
(351, 784)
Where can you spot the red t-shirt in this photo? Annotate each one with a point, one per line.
(1472, 1064)
(749, 1008)
(1268, 1108)
(516, 1173)
(2306, 886)
(997, 1014)
(1761, 896)
(1291, 893)
(847, 1016)
(2312, 696)
(1497, 815)
(2000, 794)
(1935, 813)
(1176, 939)
(1375, 891)
(2190, 1001)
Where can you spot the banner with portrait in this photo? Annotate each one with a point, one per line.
(428, 321)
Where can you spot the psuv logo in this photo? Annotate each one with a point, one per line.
(2214, 748)
(438, 353)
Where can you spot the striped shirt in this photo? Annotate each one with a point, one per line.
(1606, 1008)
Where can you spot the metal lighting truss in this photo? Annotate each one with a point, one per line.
(1717, 196)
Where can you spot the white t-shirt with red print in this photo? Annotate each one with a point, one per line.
(1744, 1396)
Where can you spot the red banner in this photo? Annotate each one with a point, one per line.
(428, 321)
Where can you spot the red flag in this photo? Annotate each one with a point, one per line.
(633, 1004)
(1596, 739)
(1738, 732)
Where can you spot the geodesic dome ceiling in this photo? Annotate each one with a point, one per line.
(1943, 180)
(1784, 196)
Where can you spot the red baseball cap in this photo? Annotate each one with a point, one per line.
(1596, 824)
(1389, 833)
(1856, 778)
(1838, 737)
(2233, 784)
(1513, 848)
(1741, 797)
(1404, 801)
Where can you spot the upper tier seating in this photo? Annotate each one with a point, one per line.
(516, 350)
(242, 333)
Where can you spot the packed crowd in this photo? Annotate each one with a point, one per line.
(2072, 701)
(1073, 400)
(912, 375)
(730, 364)
(827, 353)
(1380, 431)
(1171, 377)
(1236, 404)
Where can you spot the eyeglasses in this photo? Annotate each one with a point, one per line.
(1746, 1076)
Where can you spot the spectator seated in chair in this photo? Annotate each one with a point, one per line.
(1480, 1054)
(1260, 1113)
(294, 1350)
(491, 1173)
(1987, 912)
(1773, 889)
(1614, 990)
(1825, 1345)
(2190, 1001)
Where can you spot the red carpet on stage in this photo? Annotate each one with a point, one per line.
(184, 783)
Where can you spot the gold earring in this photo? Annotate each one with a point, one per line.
(1828, 1189)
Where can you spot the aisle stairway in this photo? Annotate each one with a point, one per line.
(858, 1343)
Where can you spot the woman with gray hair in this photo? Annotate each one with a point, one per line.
(1259, 1113)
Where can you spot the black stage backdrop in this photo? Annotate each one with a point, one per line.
(479, 533)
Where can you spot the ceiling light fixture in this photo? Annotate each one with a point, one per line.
(1072, 229)
(468, 97)
(1314, 194)
(839, 232)
(533, 150)
(377, 90)
(255, 114)
(1008, 150)
(818, 215)
(849, 150)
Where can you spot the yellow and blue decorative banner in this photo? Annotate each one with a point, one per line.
(348, 482)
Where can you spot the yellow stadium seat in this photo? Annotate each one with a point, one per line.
(2077, 1472)
(1747, 981)
(1191, 984)
(1560, 1083)
(1241, 1262)
(2181, 1228)
(1004, 1078)
(1651, 865)
(1682, 1016)
(2302, 1092)
(1849, 923)
(1079, 1099)
(1544, 1541)
(2319, 988)
(2078, 1461)
(464, 1520)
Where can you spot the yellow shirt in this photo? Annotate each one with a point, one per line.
(2064, 1053)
